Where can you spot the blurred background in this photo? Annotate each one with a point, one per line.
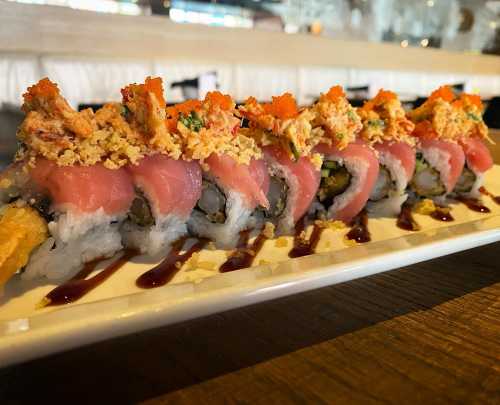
(92, 48)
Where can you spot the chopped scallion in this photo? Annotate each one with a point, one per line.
(294, 151)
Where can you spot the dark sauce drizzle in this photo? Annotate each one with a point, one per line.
(243, 257)
(302, 247)
(168, 268)
(473, 204)
(405, 219)
(493, 197)
(245, 254)
(442, 214)
(79, 285)
(359, 228)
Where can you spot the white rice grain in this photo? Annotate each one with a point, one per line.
(75, 239)
(225, 236)
(391, 205)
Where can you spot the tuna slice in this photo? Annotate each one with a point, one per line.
(401, 151)
(308, 178)
(84, 189)
(456, 160)
(363, 164)
(172, 186)
(252, 180)
(478, 156)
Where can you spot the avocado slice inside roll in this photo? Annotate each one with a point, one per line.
(335, 179)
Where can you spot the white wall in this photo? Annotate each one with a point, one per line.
(87, 80)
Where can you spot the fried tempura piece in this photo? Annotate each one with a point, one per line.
(21, 230)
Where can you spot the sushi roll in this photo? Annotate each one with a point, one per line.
(167, 187)
(87, 205)
(234, 176)
(66, 176)
(440, 159)
(285, 135)
(388, 131)
(478, 158)
(350, 166)
(166, 191)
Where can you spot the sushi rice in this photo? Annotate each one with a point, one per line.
(75, 239)
(238, 218)
(391, 204)
(157, 238)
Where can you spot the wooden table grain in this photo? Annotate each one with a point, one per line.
(424, 334)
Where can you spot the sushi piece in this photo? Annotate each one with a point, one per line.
(68, 181)
(234, 179)
(87, 205)
(285, 135)
(166, 192)
(166, 186)
(440, 159)
(478, 158)
(350, 166)
(388, 131)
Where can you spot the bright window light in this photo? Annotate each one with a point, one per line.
(101, 6)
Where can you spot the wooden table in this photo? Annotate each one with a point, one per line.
(424, 334)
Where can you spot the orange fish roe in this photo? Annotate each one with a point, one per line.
(283, 107)
(444, 92)
(251, 108)
(473, 99)
(382, 97)
(251, 101)
(216, 98)
(43, 89)
(184, 108)
(171, 123)
(155, 86)
(334, 93)
(151, 85)
(424, 130)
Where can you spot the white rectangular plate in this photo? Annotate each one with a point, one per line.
(118, 307)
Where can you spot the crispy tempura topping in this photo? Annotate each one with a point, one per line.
(115, 135)
(122, 133)
(211, 126)
(51, 127)
(384, 119)
(115, 139)
(446, 117)
(280, 122)
(336, 120)
(145, 112)
(473, 108)
(437, 118)
(45, 102)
